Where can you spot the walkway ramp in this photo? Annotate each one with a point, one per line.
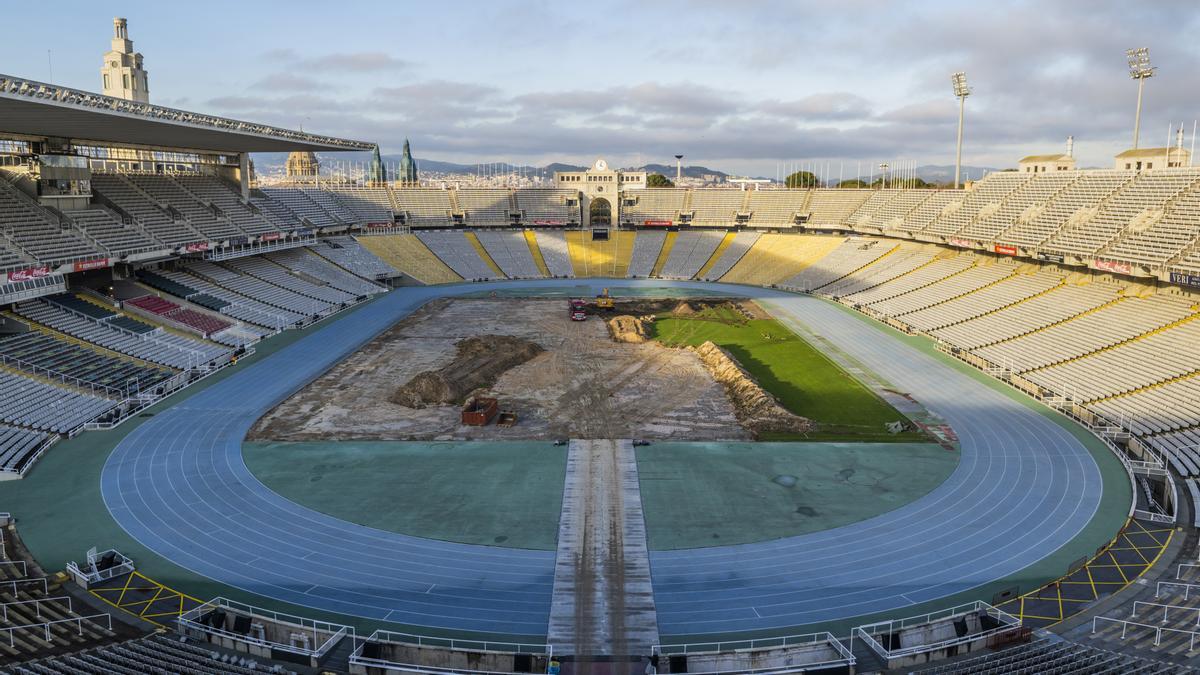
(602, 601)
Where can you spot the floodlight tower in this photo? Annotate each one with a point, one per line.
(1139, 69)
(678, 169)
(962, 91)
(883, 175)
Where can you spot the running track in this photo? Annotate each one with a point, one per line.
(1024, 487)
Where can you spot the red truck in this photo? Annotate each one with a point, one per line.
(578, 310)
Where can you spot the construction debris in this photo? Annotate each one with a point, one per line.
(756, 409)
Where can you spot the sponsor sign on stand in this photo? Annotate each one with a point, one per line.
(1185, 279)
(657, 223)
(85, 265)
(29, 273)
(194, 248)
(545, 221)
(1005, 250)
(1113, 266)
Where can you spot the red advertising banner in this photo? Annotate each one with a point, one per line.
(272, 236)
(85, 265)
(29, 273)
(1113, 266)
(199, 246)
(657, 223)
(1005, 250)
(543, 221)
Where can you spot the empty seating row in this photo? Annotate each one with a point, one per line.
(716, 208)
(542, 206)
(368, 204)
(834, 259)
(347, 253)
(264, 269)
(304, 262)
(741, 244)
(117, 237)
(406, 254)
(154, 654)
(254, 288)
(484, 207)
(646, 248)
(961, 283)
(510, 250)
(154, 345)
(202, 217)
(689, 253)
(454, 250)
(829, 209)
(302, 206)
(149, 214)
(215, 191)
(903, 259)
(18, 446)
(41, 350)
(553, 246)
(28, 226)
(655, 204)
(236, 305)
(37, 405)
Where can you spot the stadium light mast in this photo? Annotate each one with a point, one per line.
(962, 91)
(1139, 69)
(678, 169)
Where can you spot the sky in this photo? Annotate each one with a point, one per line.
(744, 86)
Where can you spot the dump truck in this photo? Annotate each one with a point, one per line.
(577, 310)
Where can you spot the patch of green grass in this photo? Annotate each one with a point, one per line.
(802, 378)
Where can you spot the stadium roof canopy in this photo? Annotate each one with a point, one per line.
(37, 109)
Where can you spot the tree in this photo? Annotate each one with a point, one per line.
(657, 180)
(802, 179)
(853, 183)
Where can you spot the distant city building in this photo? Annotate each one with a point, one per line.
(407, 173)
(301, 165)
(123, 75)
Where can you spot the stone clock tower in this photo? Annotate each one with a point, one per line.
(123, 75)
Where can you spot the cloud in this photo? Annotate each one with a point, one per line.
(288, 82)
(357, 62)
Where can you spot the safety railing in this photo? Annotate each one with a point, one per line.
(1004, 622)
(1166, 609)
(1157, 630)
(324, 635)
(47, 627)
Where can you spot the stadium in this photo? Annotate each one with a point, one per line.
(371, 423)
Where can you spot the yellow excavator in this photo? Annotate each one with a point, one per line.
(604, 300)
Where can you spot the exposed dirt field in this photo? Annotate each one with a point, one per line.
(584, 385)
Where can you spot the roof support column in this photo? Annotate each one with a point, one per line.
(244, 175)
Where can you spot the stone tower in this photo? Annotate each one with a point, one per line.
(377, 172)
(407, 173)
(123, 75)
(301, 165)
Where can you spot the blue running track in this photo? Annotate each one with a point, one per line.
(1023, 488)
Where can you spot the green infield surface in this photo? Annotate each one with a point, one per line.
(717, 494)
(495, 493)
(804, 380)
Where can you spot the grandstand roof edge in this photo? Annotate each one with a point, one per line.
(31, 108)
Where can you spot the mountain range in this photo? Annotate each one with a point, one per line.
(268, 163)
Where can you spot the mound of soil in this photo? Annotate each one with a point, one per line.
(756, 409)
(625, 328)
(683, 309)
(478, 363)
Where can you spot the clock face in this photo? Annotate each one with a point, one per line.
(601, 165)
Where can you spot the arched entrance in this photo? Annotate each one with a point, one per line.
(600, 212)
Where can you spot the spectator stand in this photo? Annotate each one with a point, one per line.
(819, 652)
(99, 567)
(958, 630)
(270, 635)
(389, 652)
